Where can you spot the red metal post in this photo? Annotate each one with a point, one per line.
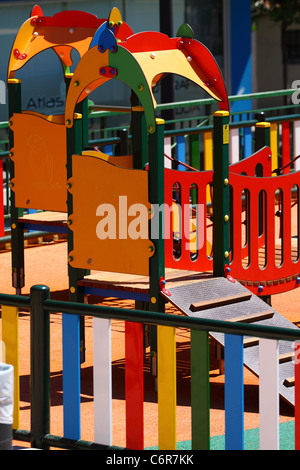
(134, 385)
(286, 149)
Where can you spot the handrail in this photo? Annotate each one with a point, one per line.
(156, 318)
(190, 103)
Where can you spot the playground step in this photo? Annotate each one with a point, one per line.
(248, 342)
(289, 382)
(253, 317)
(230, 299)
(221, 299)
(286, 357)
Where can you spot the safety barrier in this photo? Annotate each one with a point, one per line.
(192, 249)
(264, 243)
(40, 307)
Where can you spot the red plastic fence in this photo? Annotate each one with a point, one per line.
(274, 270)
(261, 255)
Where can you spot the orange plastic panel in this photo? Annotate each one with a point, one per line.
(105, 222)
(87, 73)
(124, 161)
(39, 156)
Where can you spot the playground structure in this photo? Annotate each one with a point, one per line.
(69, 183)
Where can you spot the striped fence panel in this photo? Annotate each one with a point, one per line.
(234, 145)
(134, 385)
(102, 379)
(166, 386)
(200, 390)
(269, 394)
(234, 393)
(71, 376)
(180, 150)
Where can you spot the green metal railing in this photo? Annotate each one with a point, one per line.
(188, 127)
(41, 305)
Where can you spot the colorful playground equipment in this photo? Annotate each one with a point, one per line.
(162, 248)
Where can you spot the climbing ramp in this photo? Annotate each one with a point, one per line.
(221, 299)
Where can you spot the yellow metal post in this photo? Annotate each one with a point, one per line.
(274, 145)
(10, 338)
(208, 157)
(166, 387)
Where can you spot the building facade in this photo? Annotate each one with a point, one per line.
(224, 26)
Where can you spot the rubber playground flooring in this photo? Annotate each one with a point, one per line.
(47, 264)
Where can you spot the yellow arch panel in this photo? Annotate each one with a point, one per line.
(172, 61)
(32, 39)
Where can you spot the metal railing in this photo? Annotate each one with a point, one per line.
(186, 134)
(41, 305)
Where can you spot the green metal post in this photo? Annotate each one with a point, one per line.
(221, 192)
(200, 390)
(139, 149)
(194, 151)
(40, 366)
(76, 294)
(74, 146)
(262, 135)
(156, 198)
(139, 135)
(83, 109)
(122, 147)
(76, 141)
(17, 231)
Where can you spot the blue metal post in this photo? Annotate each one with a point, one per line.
(71, 376)
(234, 393)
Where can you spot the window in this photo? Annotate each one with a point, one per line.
(292, 46)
